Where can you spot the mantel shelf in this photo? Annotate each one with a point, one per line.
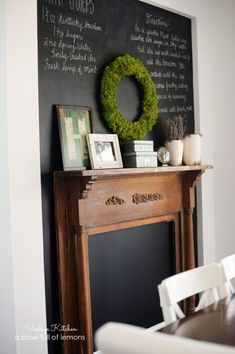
(132, 171)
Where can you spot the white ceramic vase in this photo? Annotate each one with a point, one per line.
(175, 148)
(192, 149)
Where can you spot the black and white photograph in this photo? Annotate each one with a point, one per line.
(104, 151)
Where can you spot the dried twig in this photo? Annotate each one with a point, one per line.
(175, 128)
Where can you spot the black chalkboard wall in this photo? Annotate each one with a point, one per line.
(76, 40)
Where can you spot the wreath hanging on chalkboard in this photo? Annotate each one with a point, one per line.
(127, 65)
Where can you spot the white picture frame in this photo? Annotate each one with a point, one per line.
(104, 151)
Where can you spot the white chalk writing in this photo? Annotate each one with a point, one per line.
(67, 47)
(166, 55)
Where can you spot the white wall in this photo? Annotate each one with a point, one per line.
(223, 113)
(22, 282)
(7, 320)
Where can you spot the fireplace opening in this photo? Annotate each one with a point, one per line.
(125, 268)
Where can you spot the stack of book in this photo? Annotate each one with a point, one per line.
(139, 153)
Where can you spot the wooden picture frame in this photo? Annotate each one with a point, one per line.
(74, 123)
(104, 151)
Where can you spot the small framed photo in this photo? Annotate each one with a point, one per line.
(104, 151)
(74, 123)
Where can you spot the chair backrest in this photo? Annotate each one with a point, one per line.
(228, 266)
(202, 280)
(119, 338)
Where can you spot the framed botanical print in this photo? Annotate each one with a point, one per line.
(74, 123)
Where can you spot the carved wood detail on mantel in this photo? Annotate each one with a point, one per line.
(90, 202)
(115, 200)
(138, 198)
(88, 184)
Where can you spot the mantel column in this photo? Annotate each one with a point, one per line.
(189, 183)
(84, 296)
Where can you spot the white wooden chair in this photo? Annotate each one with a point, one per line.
(118, 338)
(202, 280)
(228, 266)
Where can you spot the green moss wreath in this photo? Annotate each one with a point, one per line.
(127, 65)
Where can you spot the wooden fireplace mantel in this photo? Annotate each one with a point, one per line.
(90, 202)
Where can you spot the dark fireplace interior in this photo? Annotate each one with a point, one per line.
(125, 268)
